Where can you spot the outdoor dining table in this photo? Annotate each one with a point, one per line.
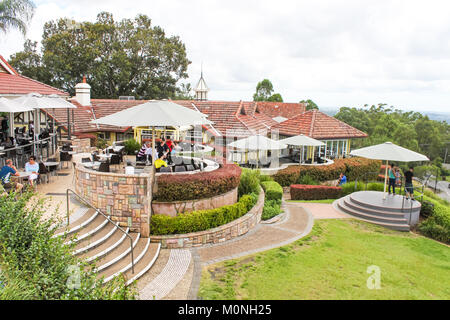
(91, 165)
(105, 156)
(22, 176)
(50, 164)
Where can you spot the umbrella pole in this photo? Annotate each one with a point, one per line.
(385, 178)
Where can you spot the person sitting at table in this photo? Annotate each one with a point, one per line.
(145, 154)
(33, 167)
(5, 176)
(160, 163)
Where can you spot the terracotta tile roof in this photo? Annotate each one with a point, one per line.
(12, 83)
(318, 125)
(283, 109)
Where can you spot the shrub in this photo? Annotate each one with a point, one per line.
(352, 167)
(306, 179)
(273, 191)
(265, 177)
(201, 220)
(178, 187)
(271, 209)
(308, 192)
(437, 225)
(101, 143)
(132, 146)
(249, 182)
(35, 265)
(427, 209)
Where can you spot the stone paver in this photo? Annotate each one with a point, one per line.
(321, 210)
(171, 275)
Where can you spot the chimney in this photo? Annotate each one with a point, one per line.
(83, 93)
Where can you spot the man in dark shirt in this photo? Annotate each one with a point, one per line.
(408, 184)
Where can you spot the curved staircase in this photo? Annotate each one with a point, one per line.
(101, 242)
(393, 212)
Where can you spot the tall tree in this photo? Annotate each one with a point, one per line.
(15, 14)
(128, 57)
(264, 90)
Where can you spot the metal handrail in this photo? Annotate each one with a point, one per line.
(107, 218)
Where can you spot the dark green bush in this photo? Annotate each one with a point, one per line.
(272, 190)
(35, 265)
(132, 146)
(308, 192)
(306, 179)
(249, 182)
(201, 220)
(271, 209)
(427, 209)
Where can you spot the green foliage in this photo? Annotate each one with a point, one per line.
(310, 105)
(132, 146)
(410, 129)
(437, 225)
(15, 14)
(101, 143)
(130, 57)
(310, 192)
(201, 220)
(265, 177)
(271, 209)
(249, 182)
(264, 90)
(178, 187)
(306, 179)
(35, 265)
(273, 191)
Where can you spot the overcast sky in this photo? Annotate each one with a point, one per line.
(337, 53)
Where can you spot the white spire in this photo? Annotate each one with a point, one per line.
(201, 90)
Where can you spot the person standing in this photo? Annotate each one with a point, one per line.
(409, 189)
(392, 178)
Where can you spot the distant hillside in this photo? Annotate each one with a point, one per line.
(433, 115)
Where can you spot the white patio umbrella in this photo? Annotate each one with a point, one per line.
(11, 106)
(257, 143)
(389, 152)
(153, 114)
(302, 140)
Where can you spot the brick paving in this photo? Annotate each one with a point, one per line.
(322, 210)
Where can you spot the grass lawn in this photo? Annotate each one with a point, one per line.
(331, 263)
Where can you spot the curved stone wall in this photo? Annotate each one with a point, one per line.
(223, 233)
(176, 207)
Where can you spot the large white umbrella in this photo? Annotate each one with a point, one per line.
(11, 106)
(257, 143)
(302, 140)
(389, 152)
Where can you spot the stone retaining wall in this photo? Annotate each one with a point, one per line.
(126, 198)
(176, 207)
(223, 233)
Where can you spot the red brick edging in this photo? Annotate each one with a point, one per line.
(220, 234)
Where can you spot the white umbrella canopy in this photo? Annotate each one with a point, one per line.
(9, 105)
(389, 152)
(302, 140)
(257, 142)
(154, 114)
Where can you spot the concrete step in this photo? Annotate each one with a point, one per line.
(97, 224)
(382, 213)
(115, 255)
(107, 246)
(398, 198)
(96, 239)
(125, 264)
(144, 264)
(398, 224)
(78, 224)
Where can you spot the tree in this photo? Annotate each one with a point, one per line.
(310, 105)
(15, 14)
(29, 62)
(264, 91)
(119, 58)
(184, 92)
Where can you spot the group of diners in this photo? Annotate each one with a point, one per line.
(102, 162)
(32, 174)
(166, 160)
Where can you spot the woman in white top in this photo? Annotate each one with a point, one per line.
(33, 167)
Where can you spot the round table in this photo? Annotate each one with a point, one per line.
(91, 165)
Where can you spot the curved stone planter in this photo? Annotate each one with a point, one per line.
(223, 233)
(174, 208)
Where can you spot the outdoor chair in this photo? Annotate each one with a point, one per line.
(84, 160)
(180, 169)
(189, 167)
(65, 157)
(114, 160)
(165, 169)
(43, 172)
(104, 167)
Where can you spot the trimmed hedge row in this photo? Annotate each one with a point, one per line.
(201, 220)
(272, 190)
(437, 225)
(352, 167)
(309, 192)
(178, 187)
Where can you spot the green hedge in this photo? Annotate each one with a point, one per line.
(201, 220)
(249, 182)
(352, 167)
(437, 226)
(271, 209)
(272, 190)
(308, 192)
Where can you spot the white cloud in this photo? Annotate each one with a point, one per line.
(334, 52)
